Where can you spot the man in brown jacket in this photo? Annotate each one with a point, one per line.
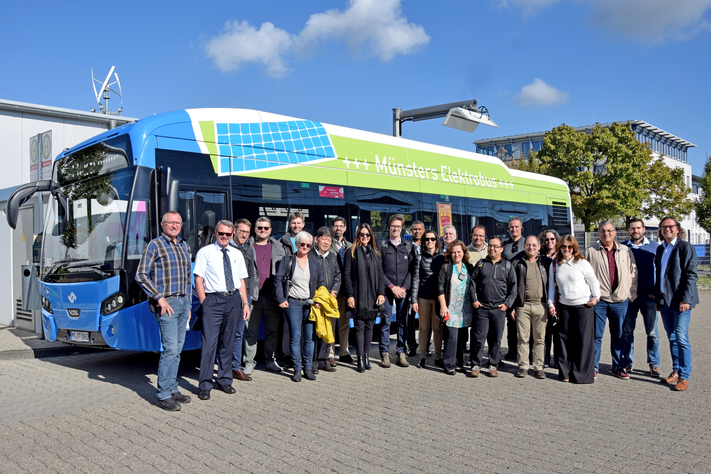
(616, 270)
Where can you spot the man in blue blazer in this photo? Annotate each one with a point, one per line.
(676, 295)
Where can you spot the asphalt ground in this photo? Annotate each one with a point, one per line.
(96, 412)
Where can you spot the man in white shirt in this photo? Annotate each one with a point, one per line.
(220, 272)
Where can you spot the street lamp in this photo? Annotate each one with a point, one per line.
(464, 115)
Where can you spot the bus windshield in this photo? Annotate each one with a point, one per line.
(88, 244)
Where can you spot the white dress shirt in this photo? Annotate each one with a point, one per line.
(209, 265)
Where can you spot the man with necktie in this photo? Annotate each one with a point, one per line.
(220, 272)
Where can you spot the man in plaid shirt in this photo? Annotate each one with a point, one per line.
(164, 274)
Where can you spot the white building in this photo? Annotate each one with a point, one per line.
(30, 137)
(671, 148)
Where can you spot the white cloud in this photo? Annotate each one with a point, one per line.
(540, 94)
(379, 24)
(242, 43)
(528, 7)
(651, 21)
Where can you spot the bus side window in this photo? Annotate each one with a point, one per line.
(210, 208)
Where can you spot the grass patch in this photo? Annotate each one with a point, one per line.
(704, 283)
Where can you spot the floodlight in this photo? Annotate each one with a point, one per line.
(468, 120)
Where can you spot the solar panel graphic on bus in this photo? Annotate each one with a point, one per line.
(247, 147)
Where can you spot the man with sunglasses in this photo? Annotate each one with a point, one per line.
(268, 252)
(220, 274)
(616, 270)
(397, 255)
(513, 249)
(164, 274)
(676, 296)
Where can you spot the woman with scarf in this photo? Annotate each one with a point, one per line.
(365, 289)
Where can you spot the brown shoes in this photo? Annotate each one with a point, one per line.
(474, 373)
(681, 385)
(240, 375)
(521, 373)
(493, 372)
(673, 377)
(539, 374)
(385, 360)
(331, 361)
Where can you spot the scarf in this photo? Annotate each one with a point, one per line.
(366, 295)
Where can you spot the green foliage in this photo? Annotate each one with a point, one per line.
(605, 170)
(703, 205)
(669, 193)
(532, 164)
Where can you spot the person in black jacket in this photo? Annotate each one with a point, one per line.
(676, 295)
(365, 288)
(455, 307)
(296, 225)
(425, 277)
(332, 279)
(297, 280)
(531, 306)
(493, 291)
(241, 241)
(397, 256)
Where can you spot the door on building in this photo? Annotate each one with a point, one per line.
(25, 251)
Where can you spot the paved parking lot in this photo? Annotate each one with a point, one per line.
(96, 413)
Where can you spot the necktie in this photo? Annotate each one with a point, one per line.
(228, 270)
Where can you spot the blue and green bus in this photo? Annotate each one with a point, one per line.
(108, 195)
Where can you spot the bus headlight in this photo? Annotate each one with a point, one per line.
(46, 305)
(112, 304)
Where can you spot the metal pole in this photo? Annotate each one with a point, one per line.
(396, 122)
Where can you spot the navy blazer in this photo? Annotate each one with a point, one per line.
(288, 264)
(680, 277)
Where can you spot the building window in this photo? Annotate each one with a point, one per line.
(525, 148)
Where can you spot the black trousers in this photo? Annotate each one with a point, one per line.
(363, 336)
(455, 341)
(511, 337)
(219, 325)
(487, 326)
(576, 343)
(551, 332)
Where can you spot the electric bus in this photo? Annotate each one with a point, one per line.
(107, 196)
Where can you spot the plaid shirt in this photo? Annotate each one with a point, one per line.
(165, 269)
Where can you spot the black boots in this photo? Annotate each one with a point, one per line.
(366, 361)
(361, 364)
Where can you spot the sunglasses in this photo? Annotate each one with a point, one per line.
(263, 228)
(363, 234)
(566, 247)
(430, 239)
(224, 234)
(305, 245)
(550, 240)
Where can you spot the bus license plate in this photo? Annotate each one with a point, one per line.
(79, 336)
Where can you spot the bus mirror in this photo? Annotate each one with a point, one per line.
(20, 196)
(174, 195)
(165, 179)
(62, 210)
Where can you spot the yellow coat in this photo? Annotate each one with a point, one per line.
(329, 309)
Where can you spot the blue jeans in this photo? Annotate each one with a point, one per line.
(385, 321)
(645, 305)
(615, 312)
(676, 325)
(402, 310)
(172, 337)
(298, 316)
(239, 339)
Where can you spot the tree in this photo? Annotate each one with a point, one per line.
(670, 195)
(605, 170)
(530, 163)
(703, 205)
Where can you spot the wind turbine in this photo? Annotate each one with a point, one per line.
(105, 91)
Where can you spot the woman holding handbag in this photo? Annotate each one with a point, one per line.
(365, 290)
(573, 291)
(298, 278)
(455, 307)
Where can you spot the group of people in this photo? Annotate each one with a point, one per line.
(306, 288)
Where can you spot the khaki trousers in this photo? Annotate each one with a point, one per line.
(429, 319)
(531, 317)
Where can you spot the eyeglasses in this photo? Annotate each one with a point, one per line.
(396, 227)
(263, 228)
(430, 239)
(224, 234)
(496, 247)
(669, 226)
(566, 247)
(305, 245)
(173, 223)
(363, 234)
(243, 232)
(338, 226)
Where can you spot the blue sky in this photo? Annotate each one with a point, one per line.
(534, 63)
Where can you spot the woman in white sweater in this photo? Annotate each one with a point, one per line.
(573, 291)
